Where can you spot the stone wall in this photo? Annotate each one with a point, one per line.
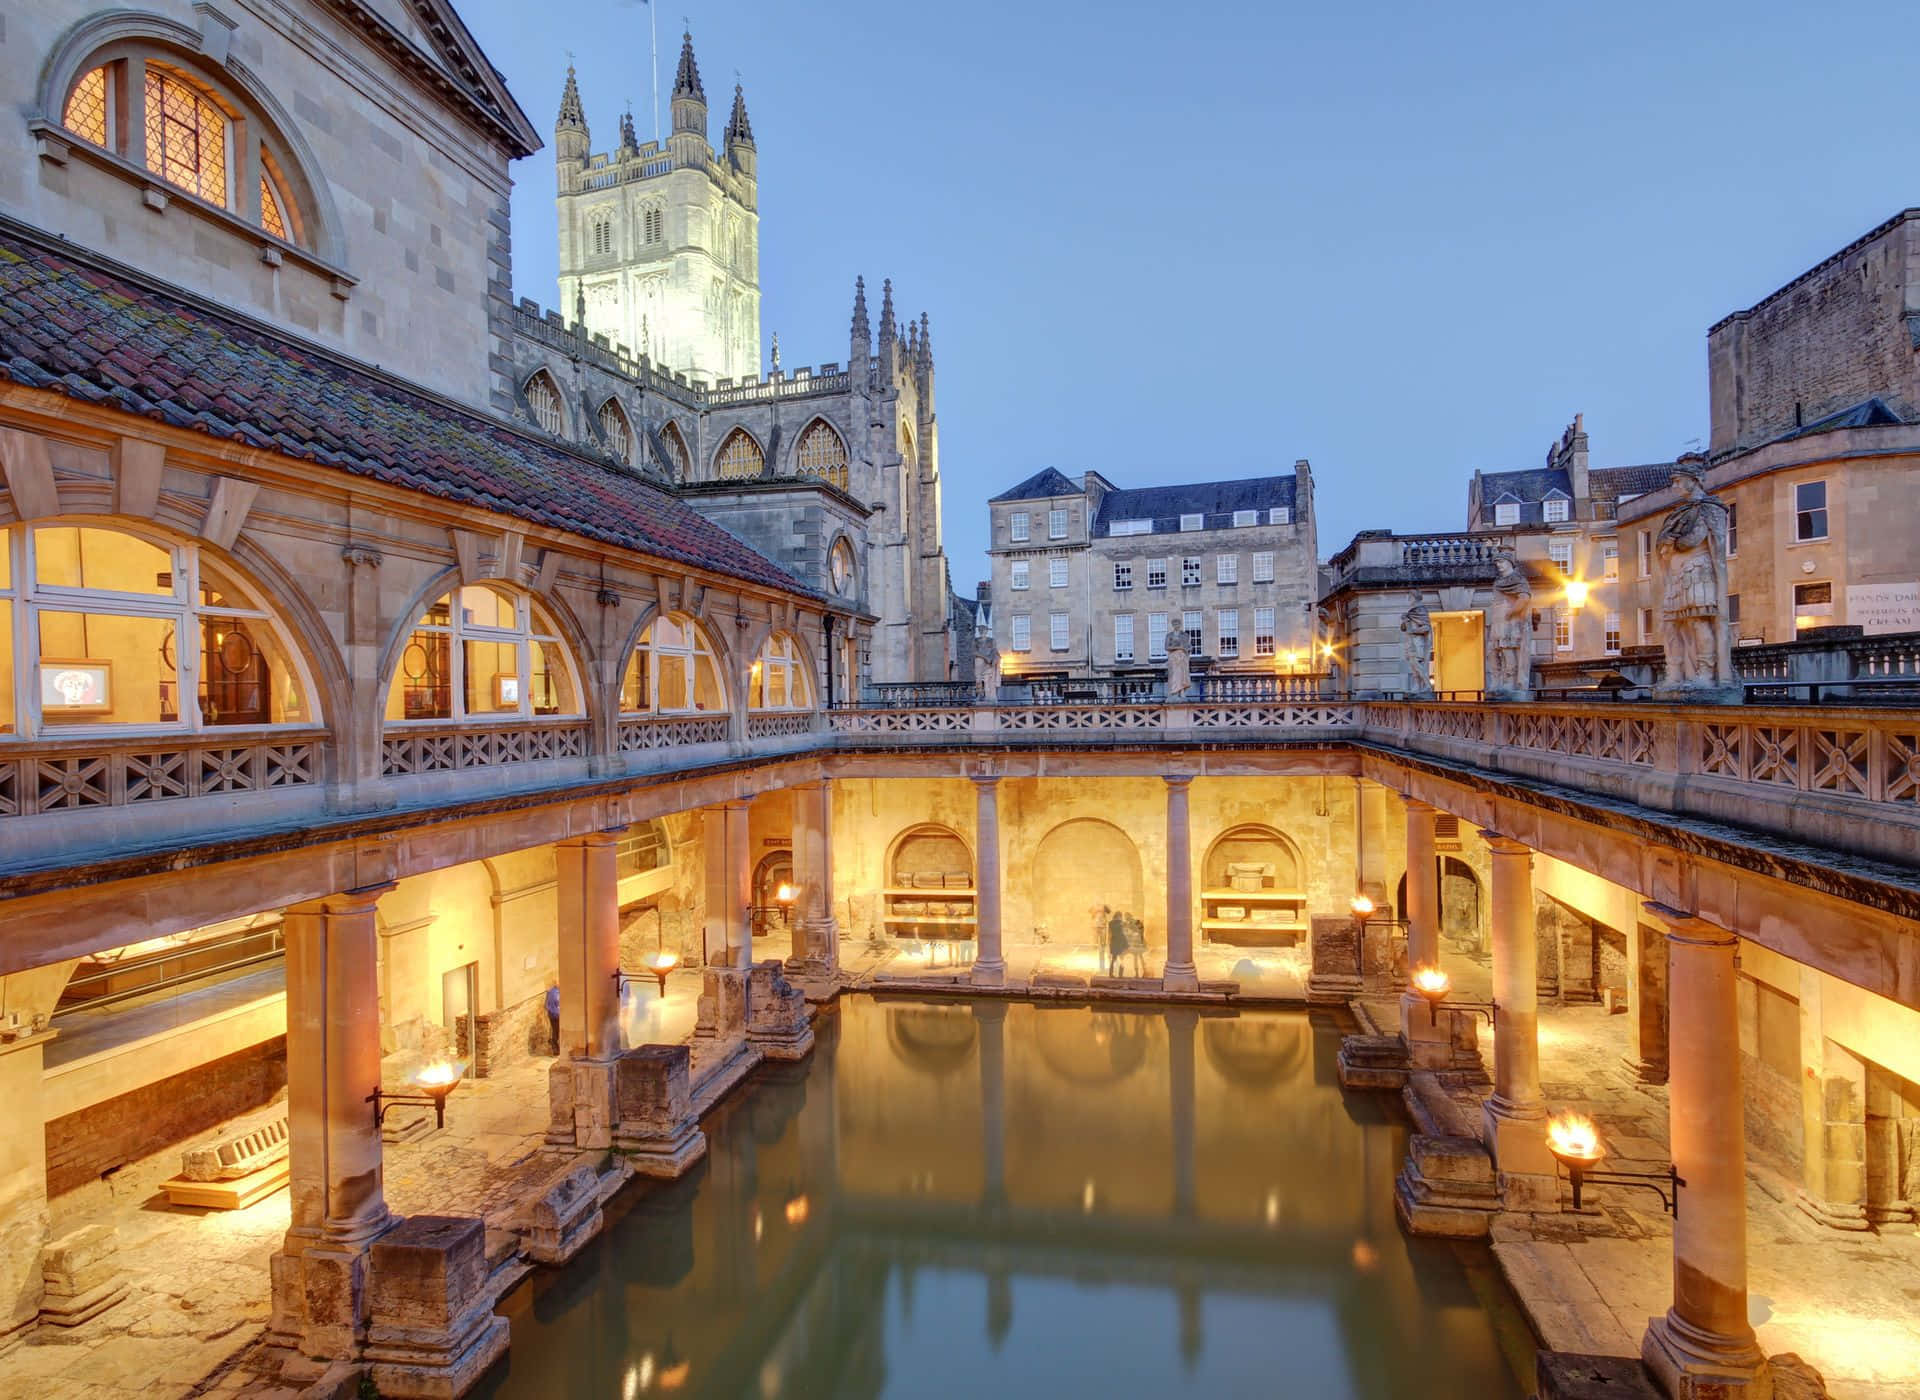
(82, 1145)
(513, 1035)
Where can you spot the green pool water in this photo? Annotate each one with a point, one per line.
(1003, 1199)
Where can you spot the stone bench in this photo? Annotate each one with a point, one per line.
(232, 1173)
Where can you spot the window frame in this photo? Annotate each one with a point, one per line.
(1226, 570)
(1733, 529)
(1190, 570)
(1280, 515)
(522, 636)
(700, 648)
(1058, 574)
(1191, 521)
(1265, 636)
(1560, 555)
(1157, 622)
(1122, 575)
(1193, 624)
(1804, 516)
(1555, 510)
(1056, 522)
(1156, 566)
(542, 379)
(1019, 576)
(1226, 629)
(1610, 634)
(1610, 561)
(1019, 526)
(1123, 627)
(785, 655)
(1263, 566)
(24, 598)
(1020, 632)
(1059, 632)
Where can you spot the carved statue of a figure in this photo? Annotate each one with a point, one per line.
(1416, 625)
(986, 666)
(1179, 675)
(1509, 630)
(1692, 549)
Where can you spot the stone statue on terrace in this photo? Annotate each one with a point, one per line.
(1692, 550)
(1416, 626)
(986, 666)
(1509, 632)
(1179, 671)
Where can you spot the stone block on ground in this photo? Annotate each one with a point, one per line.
(777, 1018)
(80, 1276)
(657, 1128)
(431, 1330)
(565, 1213)
(580, 1103)
(1567, 1376)
(722, 1010)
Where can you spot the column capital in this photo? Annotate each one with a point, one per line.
(1682, 927)
(986, 782)
(356, 901)
(1415, 804)
(1505, 845)
(1176, 780)
(606, 836)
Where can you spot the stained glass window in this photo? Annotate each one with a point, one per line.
(740, 456)
(86, 114)
(271, 218)
(822, 454)
(544, 399)
(186, 137)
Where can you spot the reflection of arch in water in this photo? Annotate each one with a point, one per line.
(1095, 1051)
(1460, 903)
(1263, 1053)
(926, 849)
(935, 1040)
(1078, 867)
(1252, 844)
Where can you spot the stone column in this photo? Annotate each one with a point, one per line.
(335, 1190)
(1182, 1022)
(1647, 1002)
(1423, 887)
(813, 873)
(1704, 1346)
(729, 885)
(1179, 973)
(1516, 1116)
(990, 960)
(589, 910)
(990, 1015)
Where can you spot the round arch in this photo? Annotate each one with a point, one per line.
(934, 1040)
(1084, 871)
(927, 849)
(673, 664)
(115, 33)
(781, 676)
(1462, 901)
(1262, 1055)
(1106, 1053)
(843, 567)
(1261, 852)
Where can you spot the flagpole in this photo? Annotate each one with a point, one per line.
(653, 44)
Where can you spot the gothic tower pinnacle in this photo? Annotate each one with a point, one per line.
(570, 135)
(862, 333)
(740, 151)
(888, 330)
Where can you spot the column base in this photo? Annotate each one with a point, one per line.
(1646, 1071)
(659, 1133)
(1180, 977)
(1431, 1034)
(1517, 1141)
(986, 973)
(1692, 1364)
(580, 1103)
(1835, 1215)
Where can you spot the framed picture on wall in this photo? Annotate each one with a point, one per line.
(82, 687)
(506, 691)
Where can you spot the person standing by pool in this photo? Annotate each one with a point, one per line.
(553, 1015)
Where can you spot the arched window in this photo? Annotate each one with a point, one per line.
(195, 136)
(602, 232)
(483, 651)
(617, 431)
(672, 670)
(651, 224)
(91, 622)
(821, 453)
(543, 397)
(679, 461)
(740, 456)
(781, 678)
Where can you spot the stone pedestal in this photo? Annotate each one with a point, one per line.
(555, 1225)
(431, 1329)
(658, 1132)
(82, 1276)
(580, 1103)
(777, 1021)
(1437, 1038)
(1179, 974)
(990, 960)
(1333, 950)
(722, 1010)
(1704, 1348)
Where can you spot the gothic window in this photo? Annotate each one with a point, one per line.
(679, 461)
(105, 613)
(821, 453)
(602, 233)
(616, 430)
(193, 134)
(740, 456)
(651, 225)
(543, 397)
(672, 670)
(483, 651)
(780, 678)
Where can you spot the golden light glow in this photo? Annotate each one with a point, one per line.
(784, 894)
(1365, 1257)
(663, 961)
(675, 1376)
(440, 1076)
(1573, 1136)
(1431, 983)
(1577, 591)
(798, 1208)
(1361, 905)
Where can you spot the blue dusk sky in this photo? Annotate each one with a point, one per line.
(1182, 242)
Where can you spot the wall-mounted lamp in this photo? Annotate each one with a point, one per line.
(1577, 590)
(1433, 985)
(1575, 1144)
(435, 1082)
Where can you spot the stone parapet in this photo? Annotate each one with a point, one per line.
(658, 1129)
(431, 1328)
(722, 1010)
(777, 1019)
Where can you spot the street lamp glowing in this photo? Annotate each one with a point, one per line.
(1577, 590)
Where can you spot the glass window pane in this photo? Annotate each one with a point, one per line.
(777, 689)
(423, 682)
(76, 556)
(706, 685)
(757, 686)
(493, 677)
(98, 668)
(219, 589)
(246, 675)
(6, 661)
(636, 695)
(86, 114)
(552, 682)
(673, 682)
(482, 605)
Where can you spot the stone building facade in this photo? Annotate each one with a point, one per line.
(1090, 579)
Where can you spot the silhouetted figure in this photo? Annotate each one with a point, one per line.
(553, 1015)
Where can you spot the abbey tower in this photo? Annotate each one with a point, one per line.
(659, 248)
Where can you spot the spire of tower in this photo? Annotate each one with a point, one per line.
(913, 339)
(686, 79)
(926, 344)
(739, 129)
(628, 141)
(888, 330)
(862, 332)
(571, 112)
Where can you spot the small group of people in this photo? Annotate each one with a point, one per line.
(1126, 937)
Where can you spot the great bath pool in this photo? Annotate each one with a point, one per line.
(1003, 1199)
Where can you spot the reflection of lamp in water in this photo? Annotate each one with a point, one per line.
(759, 1225)
(798, 1207)
(1365, 1257)
(674, 1368)
(1086, 1197)
(1273, 1206)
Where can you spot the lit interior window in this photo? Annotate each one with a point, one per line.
(270, 217)
(779, 679)
(186, 137)
(822, 454)
(672, 670)
(740, 456)
(613, 425)
(86, 114)
(544, 399)
(483, 652)
(678, 459)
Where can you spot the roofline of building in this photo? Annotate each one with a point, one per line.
(1878, 231)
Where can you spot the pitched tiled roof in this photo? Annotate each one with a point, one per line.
(74, 328)
(1869, 413)
(1042, 484)
(1611, 483)
(1216, 501)
(1531, 486)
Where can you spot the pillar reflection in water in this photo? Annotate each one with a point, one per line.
(952, 1245)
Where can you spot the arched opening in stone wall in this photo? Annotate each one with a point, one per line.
(1461, 904)
(929, 891)
(1085, 871)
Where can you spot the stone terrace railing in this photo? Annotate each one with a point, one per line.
(870, 727)
(444, 748)
(71, 775)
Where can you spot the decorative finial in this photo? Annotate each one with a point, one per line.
(572, 114)
(888, 330)
(776, 352)
(686, 78)
(739, 129)
(862, 332)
